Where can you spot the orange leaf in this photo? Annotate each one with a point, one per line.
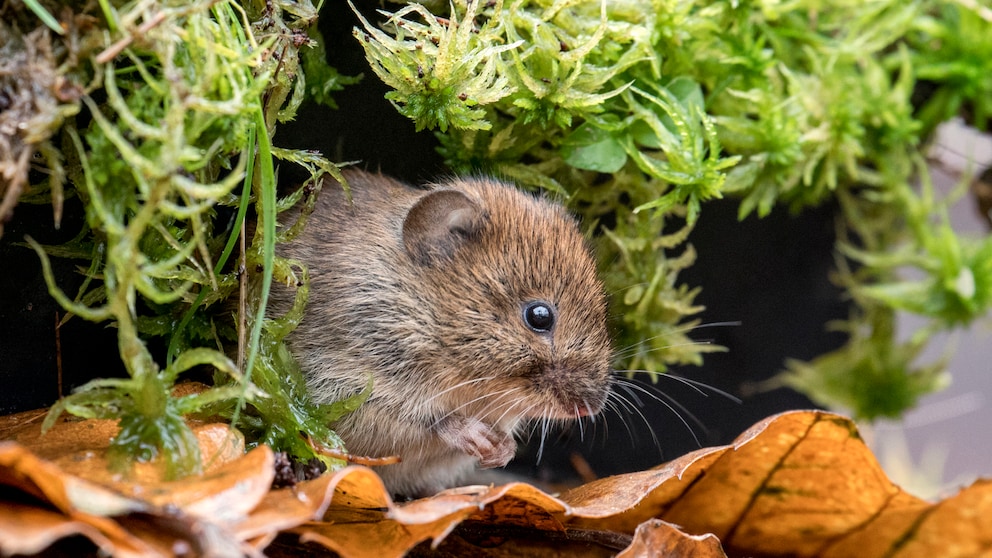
(79, 446)
(288, 507)
(29, 529)
(659, 538)
(124, 515)
(797, 484)
(40, 481)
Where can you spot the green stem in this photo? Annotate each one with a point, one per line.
(266, 195)
(232, 241)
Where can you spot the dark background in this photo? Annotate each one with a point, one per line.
(770, 274)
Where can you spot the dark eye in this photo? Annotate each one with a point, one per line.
(539, 316)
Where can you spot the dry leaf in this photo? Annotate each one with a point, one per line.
(79, 446)
(797, 484)
(227, 495)
(33, 482)
(29, 529)
(511, 520)
(124, 515)
(659, 538)
(287, 507)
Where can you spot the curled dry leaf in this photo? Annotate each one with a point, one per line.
(73, 492)
(232, 485)
(660, 538)
(29, 529)
(288, 507)
(79, 447)
(797, 484)
(64, 505)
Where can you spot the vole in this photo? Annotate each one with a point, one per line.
(475, 307)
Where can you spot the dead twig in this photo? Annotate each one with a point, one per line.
(356, 459)
(113, 50)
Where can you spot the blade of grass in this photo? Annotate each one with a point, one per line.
(232, 241)
(267, 196)
(45, 17)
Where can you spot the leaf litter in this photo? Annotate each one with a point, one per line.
(801, 483)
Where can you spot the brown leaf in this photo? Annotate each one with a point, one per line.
(226, 496)
(286, 508)
(37, 483)
(133, 514)
(481, 539)
(958, 526)
(659, 538)
(178, 534)
(516, 504)
(357, 515)
(404, 526)
(29, 529)
(797, 484)
(79, 446)
(226, 491)
(626, 501)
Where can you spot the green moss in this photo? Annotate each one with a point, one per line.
(179, 124)
(634, 113)
(664, 105)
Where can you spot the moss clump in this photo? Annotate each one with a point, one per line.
(635, 113)
(176, 108)
(640, 111)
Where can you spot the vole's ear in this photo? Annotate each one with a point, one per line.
(438, 224)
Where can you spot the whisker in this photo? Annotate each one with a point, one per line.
(654, 437)
(672, 404)
(636, 401)
(510, 408)
(501, 393)
(619, 409)
(626, 288)
(688, 327)
(512, 403)
(696, 385)
(700, 385)
(731, 323)
(633, 348)
(535, 423)
(459, 385)
(582, 434)
(624, 404)
(544, 433)
(640, 351)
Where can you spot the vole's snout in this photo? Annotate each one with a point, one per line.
(573, 392)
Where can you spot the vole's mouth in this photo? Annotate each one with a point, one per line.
(585, 411)
(569, 407)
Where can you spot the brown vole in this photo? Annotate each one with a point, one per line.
(475, 307)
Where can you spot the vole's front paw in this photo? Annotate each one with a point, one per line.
(493, 447)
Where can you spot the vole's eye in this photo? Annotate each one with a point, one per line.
(539, 316)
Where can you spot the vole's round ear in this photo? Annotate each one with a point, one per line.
(438, 224)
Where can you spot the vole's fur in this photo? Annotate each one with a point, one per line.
(426, 290)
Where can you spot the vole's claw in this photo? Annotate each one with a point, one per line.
(492, 447)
